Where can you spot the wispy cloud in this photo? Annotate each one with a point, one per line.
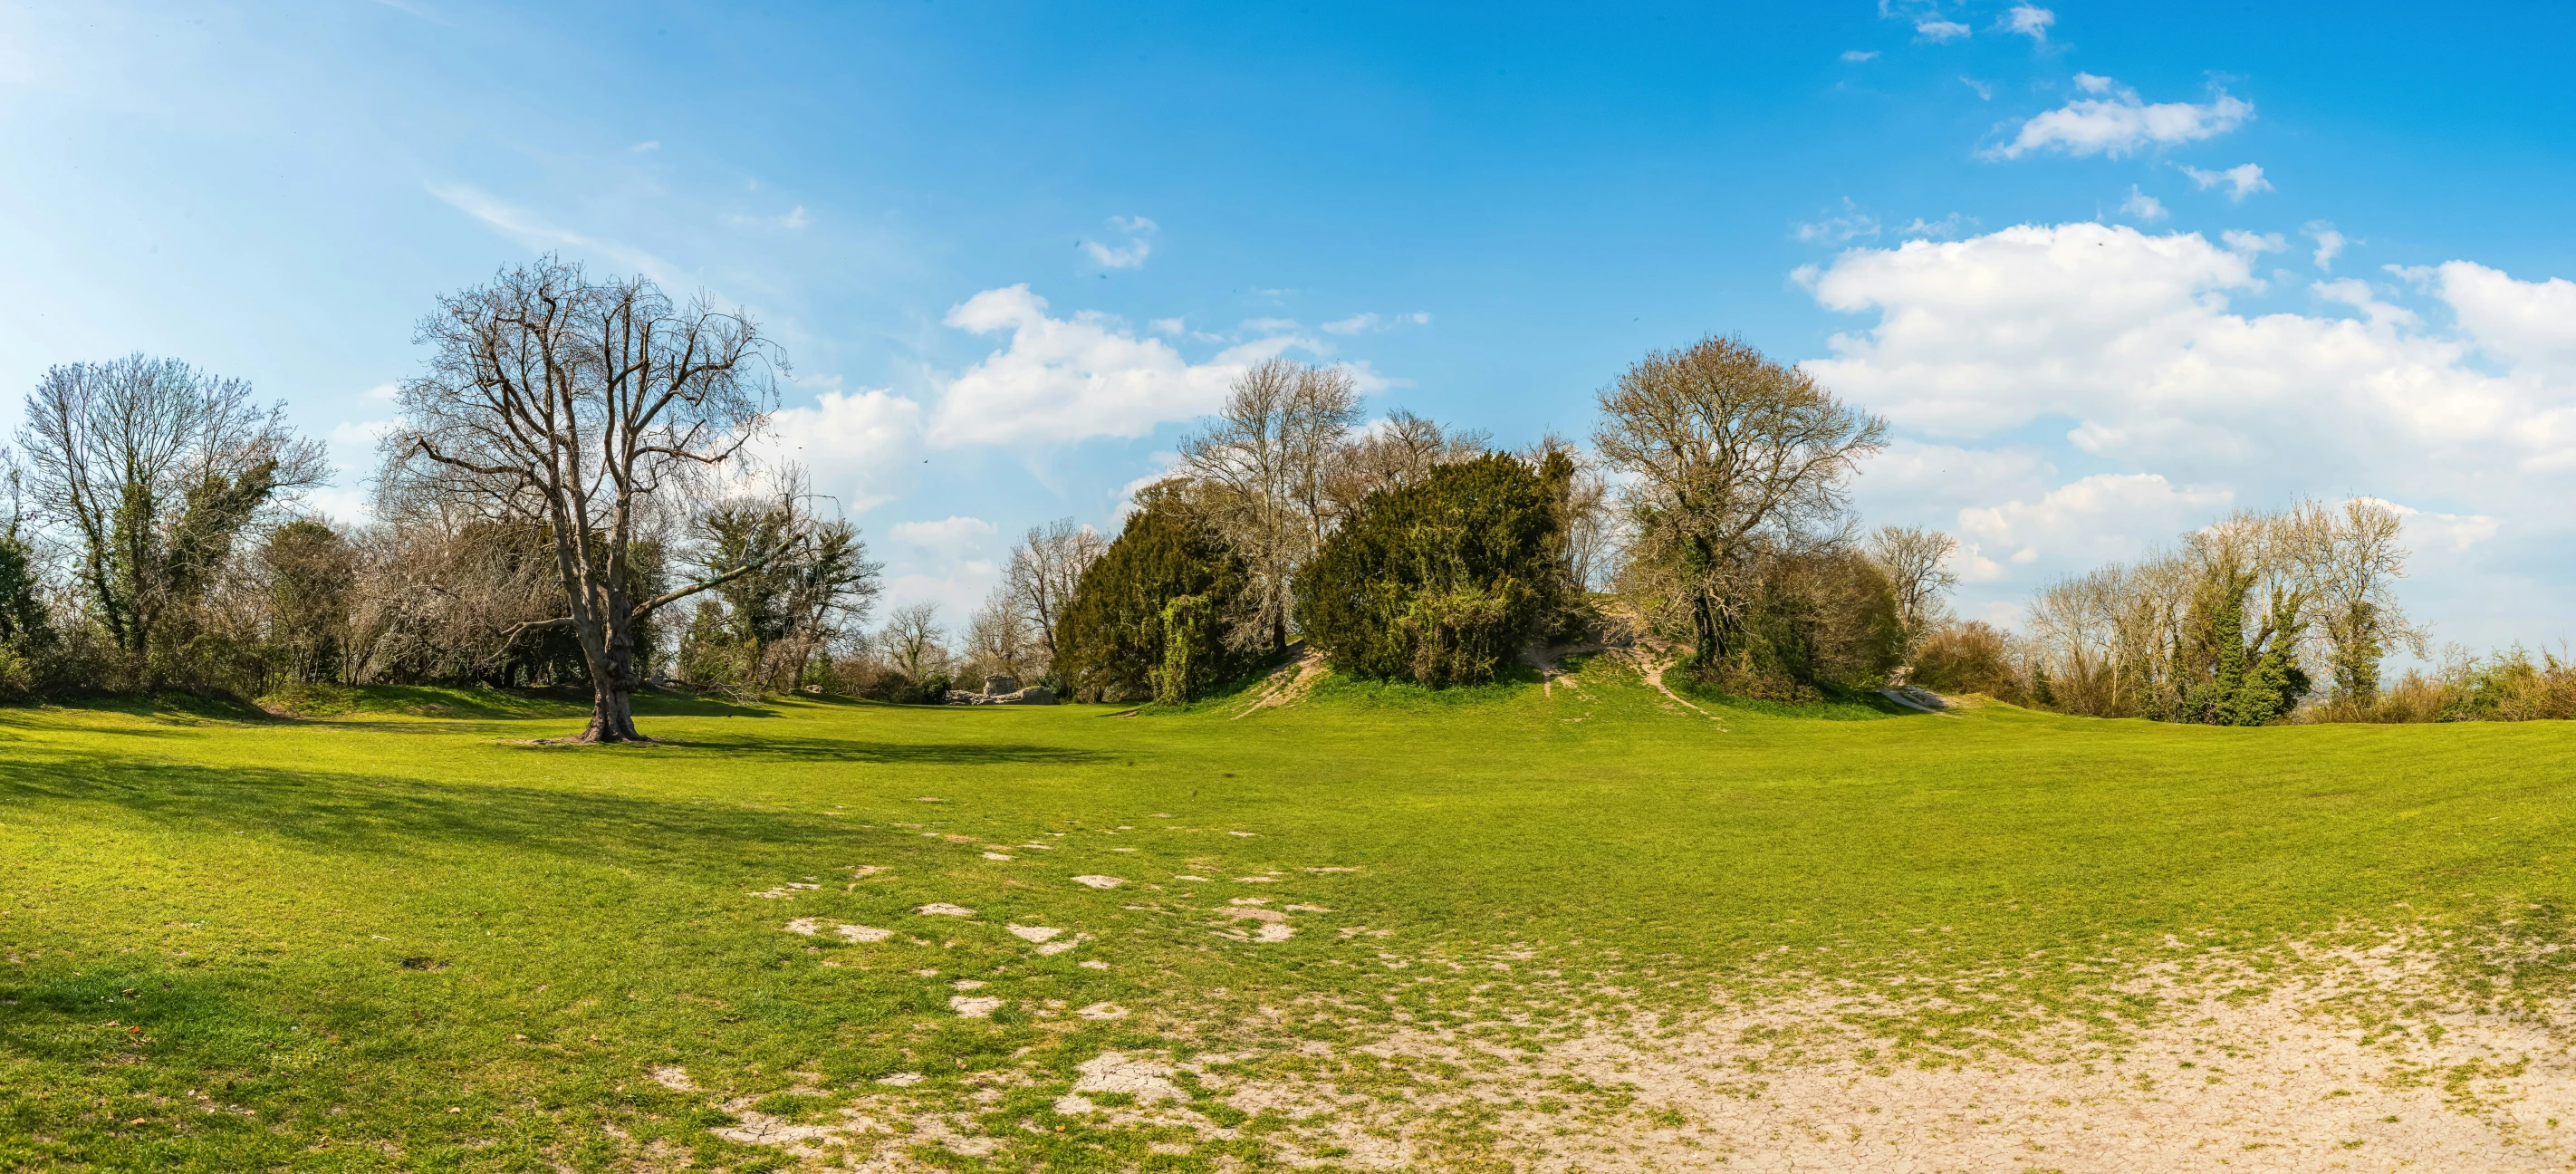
(2251, 243)
(2241, 181)
(2029, 20)
(2142, 205)
(2329, 243)
(541, 235)
(1848, 225)
(1139, 232)
(1940, 31)
(789, 220)
(2116, 122)
(1942, 229)
(1371, 323)
(1856, 56)
(1985, 90)
(646, 145)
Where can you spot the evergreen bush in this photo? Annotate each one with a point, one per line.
(1439, 582)
(1129, 635)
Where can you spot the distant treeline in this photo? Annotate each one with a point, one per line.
(565, 501)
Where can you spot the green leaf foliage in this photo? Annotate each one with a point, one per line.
(1439, 582)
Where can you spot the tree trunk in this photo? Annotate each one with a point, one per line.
(612, 716)
(1704, 625)
(609, 653)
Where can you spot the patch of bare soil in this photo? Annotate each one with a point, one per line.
(1289, 685)
(2362, 1064)
(2305, 1060)
(1651, 666)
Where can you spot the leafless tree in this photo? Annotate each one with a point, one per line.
(1045, 568)
(913, 640)
(2363, 557)
(1398, 450)
(1914, 560)
(156, 467)
(1262, 466)
(571, 403)
(1591, 528)
(1001, 638)
(1729, 452)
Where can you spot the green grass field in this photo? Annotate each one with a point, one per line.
(400, 935)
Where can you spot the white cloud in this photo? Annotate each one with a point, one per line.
(646, 145)
(2329, 243)
(1856, 56)
(2530, 324)
(2118, 123)
(2095, 519)
(2451, 533)
(2242, 180)
(956, 591)
(1985, 90)
(2181, 406)
(1067, 379)
(1941, 31)
(1171, 326)
(862, 448)
(2358, 295)
(2031, 21)
(1851, 224)
(1139, 232)
(952, 536)
(2142, 205)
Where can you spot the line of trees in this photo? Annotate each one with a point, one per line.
(2260, 617)
(566, 467)
(565, 501)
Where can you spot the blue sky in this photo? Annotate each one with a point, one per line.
(1013, 249)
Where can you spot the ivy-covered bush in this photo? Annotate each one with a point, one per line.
(1440, 582)
(1146, 619)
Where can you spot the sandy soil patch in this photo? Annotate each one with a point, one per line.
(944, 909)
(974, 1006)
(1287, 686)
(2363, 1063)
(1100, 882)
(1033, 933)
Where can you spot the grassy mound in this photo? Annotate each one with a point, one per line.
(391, 935)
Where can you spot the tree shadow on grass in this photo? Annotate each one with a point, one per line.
(770, 747)
(347, 811)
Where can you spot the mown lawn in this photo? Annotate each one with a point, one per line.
(412, 940)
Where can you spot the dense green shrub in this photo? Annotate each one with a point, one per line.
(1969, 657)
(1806, 623)
(1129, 635)
(1440, 582)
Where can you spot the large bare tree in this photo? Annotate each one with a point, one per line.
(576, 404)
(1263, 465)
(156, 467)
(1045, 569)
(1728, 451)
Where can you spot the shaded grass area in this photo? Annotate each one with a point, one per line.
(330, 931)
